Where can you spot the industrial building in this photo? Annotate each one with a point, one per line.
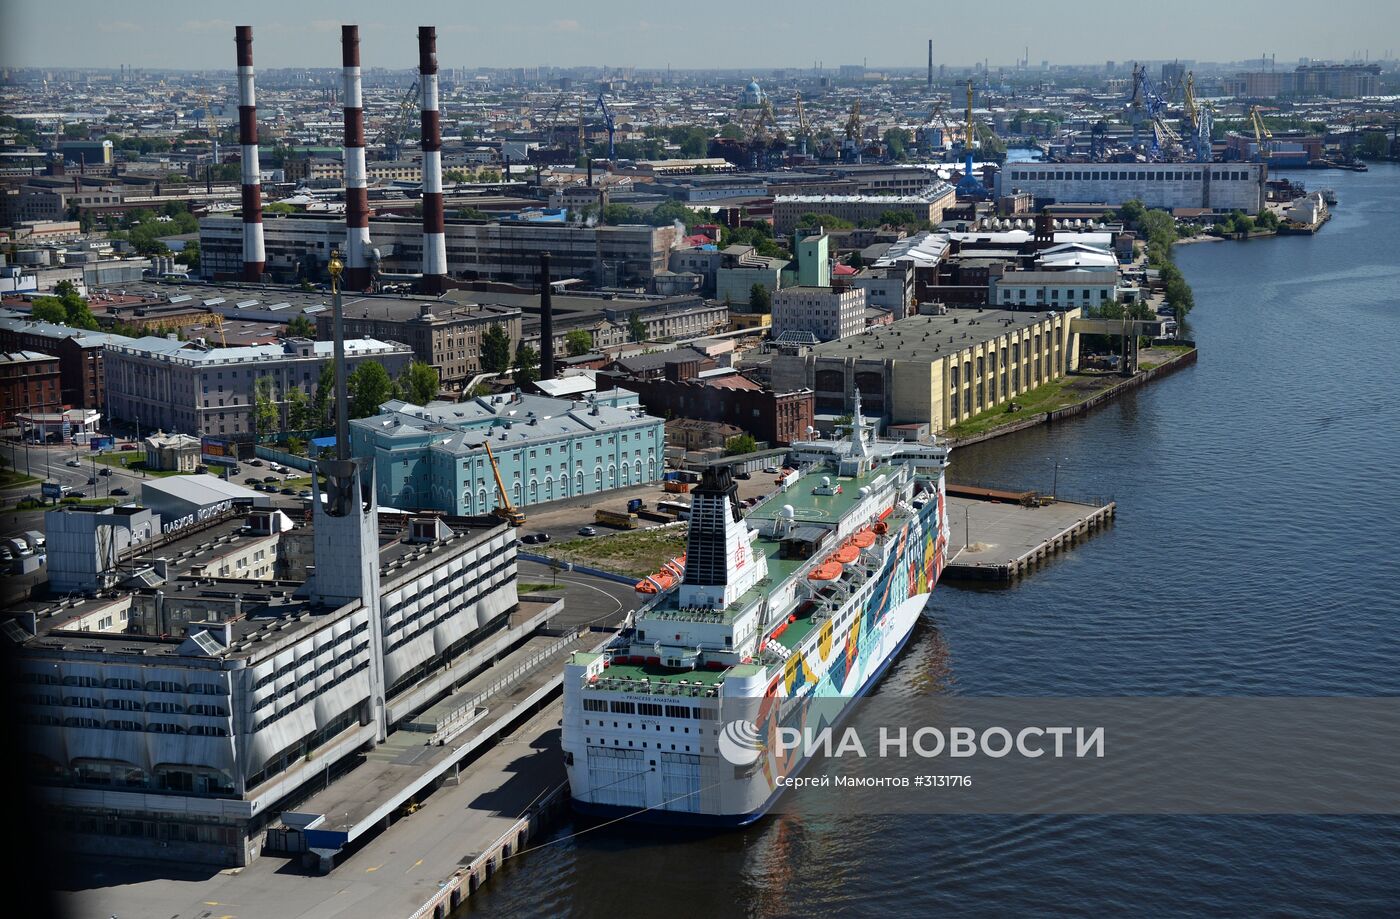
(431, 457)
(298, 246)
(1218, 186)
(814, 314)
(928, 205)
(29, 382)
(445, 334)
(192, 388)
(80, 353)
(934, 370)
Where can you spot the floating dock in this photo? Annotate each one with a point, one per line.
(996, 541)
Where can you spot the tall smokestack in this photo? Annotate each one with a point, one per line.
(254, 256)
(546, 321)
(930, 63)
(356, 187)
(434, 240)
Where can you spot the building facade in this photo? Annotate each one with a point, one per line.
(1055, 289)
(926, 205)
(432, 457)
(779, 418)
(825, 313)
(81, 356)
(937, 370)
(298, 246)
(189, 388)
(444, 334)
(1218, 186)
(29, 383)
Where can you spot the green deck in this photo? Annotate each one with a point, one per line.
(812, 508)
(797, 630)
(655, 673)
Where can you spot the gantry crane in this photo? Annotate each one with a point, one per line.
(505, 510)
(1199, 119)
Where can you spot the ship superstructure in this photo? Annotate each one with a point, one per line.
(812, 593)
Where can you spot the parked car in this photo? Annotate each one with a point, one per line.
(743, 474)
(771, 470)
(106, 470)
(128, 446)
(541, 537)
(587, 531)
(75, 463)
(528, 538)
(76, 494)
(252, 481)
(121, 492)
(255, 462)
(304, 493)
(92, 480)
(18, 547)
(289, 491)
(270, 479)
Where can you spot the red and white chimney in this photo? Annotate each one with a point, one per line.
(434, 231)
(357, 276)
(254, 256)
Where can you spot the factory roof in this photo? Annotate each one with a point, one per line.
(189, 352)
(929, 338)
(24, 357)
(1071, 277)
(934, 192)
(198, 489)
(922, 249)
(57, 332)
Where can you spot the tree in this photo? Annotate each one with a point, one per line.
(760, 300)
(578, 342)
(189, 255)
(495, 350)
(325, 396)
(301, 326)
(897, 141)
(301, 415)
(265, 409)
(741, 444)
(370, 387)
(527, 365)
(279, 207)
(49, 309)
(636, 329)
(419, 383)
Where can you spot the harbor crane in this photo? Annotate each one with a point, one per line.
(1199, 121)
(1263, 137)
(970, 186)
(610, 124)
(393, 133)
(505, 510)
(851, 146)
(803, 130)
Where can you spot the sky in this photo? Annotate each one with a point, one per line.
(654, 34)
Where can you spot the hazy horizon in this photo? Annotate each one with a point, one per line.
(725, 35)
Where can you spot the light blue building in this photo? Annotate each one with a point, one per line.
(432, 457)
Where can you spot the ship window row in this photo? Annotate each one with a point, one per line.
(618, 743)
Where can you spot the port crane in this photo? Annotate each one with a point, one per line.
(610, 124)
(803, 131)
(851, 146)
(393, 133)
(1199, 120)
(970, 185)
(505, 510)
(1263, 137)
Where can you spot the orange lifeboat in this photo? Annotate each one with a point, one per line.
(669, 576)
(826, 571)
(846, 554)
(863, 539)
(881, 528)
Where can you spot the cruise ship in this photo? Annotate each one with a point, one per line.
(806, 599)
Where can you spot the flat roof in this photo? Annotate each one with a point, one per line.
(923, 338)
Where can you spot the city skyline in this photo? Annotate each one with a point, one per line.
(142, 34)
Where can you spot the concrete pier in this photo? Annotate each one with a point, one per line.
(998, 542)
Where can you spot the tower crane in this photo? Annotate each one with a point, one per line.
(610, 124)
(212, 127)
(970, 185)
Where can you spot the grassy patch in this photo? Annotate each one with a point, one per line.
(1037, 401)
(135, 462)
(636, 554)
(11, 479)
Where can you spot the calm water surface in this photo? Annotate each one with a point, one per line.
(1255, 553)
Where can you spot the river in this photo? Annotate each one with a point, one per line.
(1253, 555)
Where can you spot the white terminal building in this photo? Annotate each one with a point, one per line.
(1218, 186)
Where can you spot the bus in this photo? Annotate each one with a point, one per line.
(621, 520)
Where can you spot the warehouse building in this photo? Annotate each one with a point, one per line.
(926, 205)
(1217, 186)
(936, 370)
